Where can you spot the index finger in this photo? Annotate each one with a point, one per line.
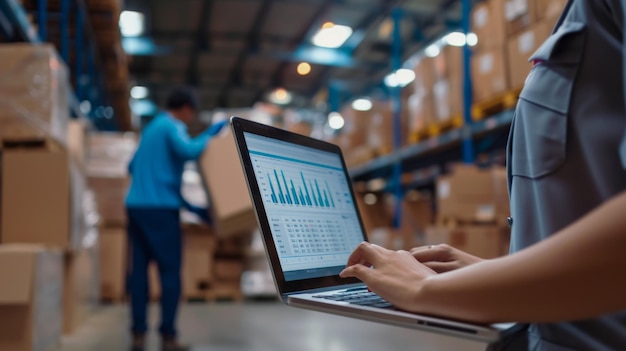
(365, 253)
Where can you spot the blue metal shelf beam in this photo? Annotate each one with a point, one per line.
(468, 145)
(14, 12)
(396, 96)
(501, 120)
(65, 30)
(42, 18)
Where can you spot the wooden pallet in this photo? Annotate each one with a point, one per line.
(440, 127)
(498, 103)
(417, 136)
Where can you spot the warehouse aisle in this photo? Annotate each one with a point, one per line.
(260, 326)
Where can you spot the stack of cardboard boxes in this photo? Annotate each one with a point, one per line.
(199, 245)
(468, 212)
(472, 207)
(509, 32)
(437, 98)
(108, 156)
(448, 85)
(46, 213)
(233, 216)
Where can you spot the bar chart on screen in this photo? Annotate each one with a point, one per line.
(283, 183)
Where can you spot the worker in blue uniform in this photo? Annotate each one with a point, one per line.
(153, 204)
(566, 161)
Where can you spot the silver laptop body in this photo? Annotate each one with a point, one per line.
(310, 224)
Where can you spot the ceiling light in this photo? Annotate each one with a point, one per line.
(280, 96)
(304, 68)
(131, 23)
(143, 107)
(335, 120)
(138, 92)
(455, 39)
(433, 50)
(332, 35)
(362, 104)
(400, 78)
(472, 39)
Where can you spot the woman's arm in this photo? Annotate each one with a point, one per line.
(575, 274)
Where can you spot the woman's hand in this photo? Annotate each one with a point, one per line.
(443, 258)
(396, 275)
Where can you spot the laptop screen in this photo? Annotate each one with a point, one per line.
(308, 202)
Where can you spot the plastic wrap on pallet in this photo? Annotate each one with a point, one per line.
(34, 93)
(110, 153)
(107, 169)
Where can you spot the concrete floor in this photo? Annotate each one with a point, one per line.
(259, 326)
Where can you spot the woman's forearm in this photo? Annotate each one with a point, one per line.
(577, 273)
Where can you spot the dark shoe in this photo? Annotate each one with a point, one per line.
(139, 342)
(170, 344)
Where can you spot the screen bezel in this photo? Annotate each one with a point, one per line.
(239, 126)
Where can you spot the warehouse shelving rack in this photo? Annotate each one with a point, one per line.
(455, 145)
(426, 160)
(88, 80)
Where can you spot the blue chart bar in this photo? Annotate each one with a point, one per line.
(280, 189)
(308, 197)
(305, 193)
(274, 197)
(332, 202)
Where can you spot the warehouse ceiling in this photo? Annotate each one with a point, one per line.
(237, 51)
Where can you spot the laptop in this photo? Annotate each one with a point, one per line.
(310, 225)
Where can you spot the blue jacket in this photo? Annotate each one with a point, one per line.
(157, 167)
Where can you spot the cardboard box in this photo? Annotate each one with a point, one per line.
(424, 76)
(33, 93)
(520, 49)
(485, 241)
(81, 285)
(356, 127)
(473, 195)
(488, 24)
(358, 155)
(448, 64)
(489, 73)
(519, 15)
(375, 211)
(31, 314)
(448, 99)
(417, 215)
(549, 9)
(77, 141)
(199, 251)
(228, 269)
(36, 184)
(110, 153)
(380, 134)
(421, 110)
(197, 266)
(224, 180)
(110, 195)
(113, 256)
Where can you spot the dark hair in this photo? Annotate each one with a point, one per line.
(180, 97)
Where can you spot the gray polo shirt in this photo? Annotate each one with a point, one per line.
(564, 155)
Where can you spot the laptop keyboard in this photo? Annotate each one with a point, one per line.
(361, 297)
